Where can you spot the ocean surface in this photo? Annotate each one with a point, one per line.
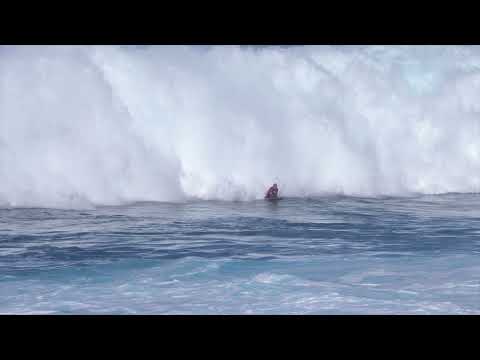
(132, 179)
(324, 255)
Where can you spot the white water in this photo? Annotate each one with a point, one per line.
(105, 125)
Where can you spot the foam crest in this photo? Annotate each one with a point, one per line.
(106, 125)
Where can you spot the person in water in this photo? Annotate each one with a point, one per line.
(272, 193)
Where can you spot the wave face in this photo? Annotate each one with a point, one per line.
(107, 125)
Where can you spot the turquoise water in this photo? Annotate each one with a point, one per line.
(325, 255)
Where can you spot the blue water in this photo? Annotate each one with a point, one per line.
(327, 255)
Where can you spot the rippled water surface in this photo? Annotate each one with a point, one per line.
(329, 255)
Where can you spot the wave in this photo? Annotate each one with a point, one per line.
(113, 124)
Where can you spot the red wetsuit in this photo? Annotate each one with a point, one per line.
(272, 193)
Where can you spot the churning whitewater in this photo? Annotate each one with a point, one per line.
(105, 125)
(108, 153)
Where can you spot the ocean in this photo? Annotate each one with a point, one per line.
(132, 180)
(331, 255)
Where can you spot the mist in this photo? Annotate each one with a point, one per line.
(106, 125)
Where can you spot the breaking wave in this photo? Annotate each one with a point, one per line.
(106, 125)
